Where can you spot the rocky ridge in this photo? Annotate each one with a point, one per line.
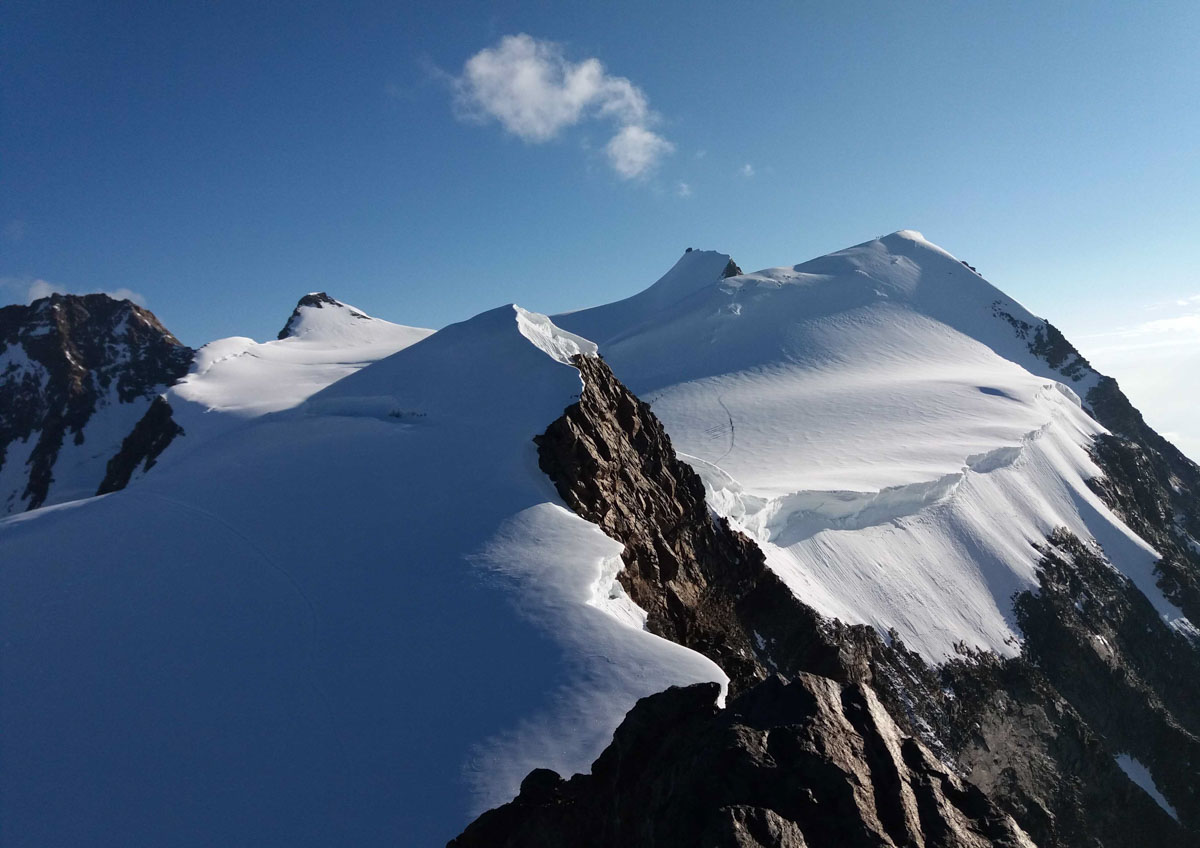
(805, 762)
(76, 371)
(1035, 737)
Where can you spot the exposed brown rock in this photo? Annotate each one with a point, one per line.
(810, 762)
(72, 353)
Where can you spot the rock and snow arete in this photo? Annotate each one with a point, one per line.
(349, 608)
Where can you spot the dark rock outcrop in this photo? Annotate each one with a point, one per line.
(1154, 488)
(149, 438)
(810, 762)
(1047, 343)
(1134, 679)
(65, 357)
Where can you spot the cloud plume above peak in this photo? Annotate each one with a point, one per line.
(27, 290)
(535, 93)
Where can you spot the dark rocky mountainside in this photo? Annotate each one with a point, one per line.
(66, 361)
(1147, 481)
(805, 762)
(980, 739)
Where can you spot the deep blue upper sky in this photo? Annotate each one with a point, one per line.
(222, 159)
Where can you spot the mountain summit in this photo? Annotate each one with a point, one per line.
(319, 314)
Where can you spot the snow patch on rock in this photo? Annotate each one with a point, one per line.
(1140, 775)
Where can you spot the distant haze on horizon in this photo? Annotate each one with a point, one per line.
(426, 162)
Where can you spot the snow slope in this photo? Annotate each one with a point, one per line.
(355, 622)
(325, 342)
(237, 379)
(876, 421)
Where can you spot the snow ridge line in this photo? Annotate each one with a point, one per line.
(796, 516)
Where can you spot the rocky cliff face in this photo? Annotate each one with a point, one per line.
(76, 374)
(805, 762)
(991, 751)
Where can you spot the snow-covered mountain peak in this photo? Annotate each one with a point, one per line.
(503, 356)
(865, 415)
(696, 272)
(513, 550)
(323, 341)
(319, 316)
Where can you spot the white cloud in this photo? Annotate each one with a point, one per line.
(635, 150)
(127, 294)
(29, 289)
(535, 93)
(1174, 332)
(1157, 363)
(40, 288)
(747, 170)
(683, 189)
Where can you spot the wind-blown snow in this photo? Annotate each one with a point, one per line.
(331, 626)
(878, 426)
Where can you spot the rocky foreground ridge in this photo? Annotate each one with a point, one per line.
(834, 736)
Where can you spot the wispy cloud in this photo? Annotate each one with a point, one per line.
(41, 288)
(29, 289)
(535, 93)
(1157, 363)
(747, 170)
(1176, 331)
(634, 151)
(683, 189)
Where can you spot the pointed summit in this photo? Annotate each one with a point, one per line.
(695, 272)
(305, 319)
(323, 341)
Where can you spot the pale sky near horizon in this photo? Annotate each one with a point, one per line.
(427, 161)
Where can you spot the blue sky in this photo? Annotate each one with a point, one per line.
(219, 160)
